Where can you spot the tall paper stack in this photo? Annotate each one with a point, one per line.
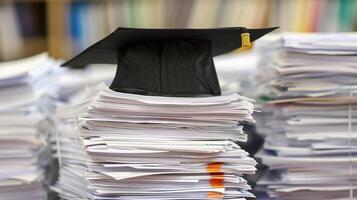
(115, 145)
(311, 147)
(69, 81)
(24, 127)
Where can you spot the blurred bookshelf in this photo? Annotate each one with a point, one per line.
(65, 27)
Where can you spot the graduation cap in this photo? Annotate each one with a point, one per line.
(166, 62)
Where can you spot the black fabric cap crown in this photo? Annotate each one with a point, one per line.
(165, 62)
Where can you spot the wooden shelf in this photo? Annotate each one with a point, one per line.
(57, 28)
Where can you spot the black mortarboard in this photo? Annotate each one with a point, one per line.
(166, 62)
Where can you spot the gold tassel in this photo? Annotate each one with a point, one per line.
(246, 41)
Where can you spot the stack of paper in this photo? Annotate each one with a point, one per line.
(311, 148)
(122, 146)
(24, 129)
(71, 81)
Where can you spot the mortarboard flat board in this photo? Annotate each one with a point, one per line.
(166, 62)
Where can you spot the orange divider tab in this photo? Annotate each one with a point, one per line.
(217, 177)
(215, 195)
(216, 183)
(214, 167)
